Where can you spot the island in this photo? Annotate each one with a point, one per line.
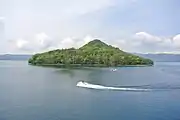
(93, 54)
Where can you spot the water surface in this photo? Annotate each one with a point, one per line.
(41, 93)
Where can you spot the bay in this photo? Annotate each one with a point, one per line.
(44, 93)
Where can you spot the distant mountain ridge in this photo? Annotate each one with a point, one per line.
(161, 57)
(14, 57)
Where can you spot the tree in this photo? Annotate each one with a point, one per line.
(95, 53)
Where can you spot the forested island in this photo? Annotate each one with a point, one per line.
(93, 54)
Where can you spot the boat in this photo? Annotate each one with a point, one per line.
(114, 70)
(84, 84)
(88, 85)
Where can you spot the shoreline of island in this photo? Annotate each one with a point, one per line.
(87, 66)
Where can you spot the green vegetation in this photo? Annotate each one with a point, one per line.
(93, 54)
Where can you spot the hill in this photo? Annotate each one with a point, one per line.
(14, 57)
(94, 54)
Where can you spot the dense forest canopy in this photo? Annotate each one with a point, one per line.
(94, 53)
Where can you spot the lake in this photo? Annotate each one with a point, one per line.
(44, 93)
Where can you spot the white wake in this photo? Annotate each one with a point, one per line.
(93, 86)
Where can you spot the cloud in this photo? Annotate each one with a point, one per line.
(88, 38)
(146, 42)
(176, 41)
(147, 38)
(59, 19)
(71, 23)
(142, 42)
(74, 42)
(40, 41)
(2, 18)
(22, 44)
(67, 43)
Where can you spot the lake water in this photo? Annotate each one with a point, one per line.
(41, 93)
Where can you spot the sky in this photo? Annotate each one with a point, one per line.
(138, 26)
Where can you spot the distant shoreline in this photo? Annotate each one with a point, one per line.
(87, 66)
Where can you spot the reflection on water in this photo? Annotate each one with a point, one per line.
(68, 72)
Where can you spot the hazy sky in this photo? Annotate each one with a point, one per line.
(29, 26)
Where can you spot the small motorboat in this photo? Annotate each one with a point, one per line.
(113, 70)
(84, 84)
(88, 85)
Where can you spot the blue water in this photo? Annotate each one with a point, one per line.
(41, 93)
